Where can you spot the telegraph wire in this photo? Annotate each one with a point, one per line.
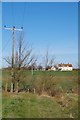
(24, 13)
(7, 44)
(13, 21)
(12, 10)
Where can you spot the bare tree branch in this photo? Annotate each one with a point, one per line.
(7, 59)
(48, 60)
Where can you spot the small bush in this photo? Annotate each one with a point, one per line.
(56, 90)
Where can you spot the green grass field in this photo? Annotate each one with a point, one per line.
(29, 105)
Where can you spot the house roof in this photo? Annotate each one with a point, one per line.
(64, 65)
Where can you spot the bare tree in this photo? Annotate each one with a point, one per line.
(48, 60)
(23, 58)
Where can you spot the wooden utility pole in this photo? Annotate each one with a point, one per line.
(13, 73)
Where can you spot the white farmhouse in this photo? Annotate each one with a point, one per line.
(43, 68)
(53, 68)
(65, 67)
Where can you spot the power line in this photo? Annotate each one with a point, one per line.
(7, 43)
(12, 10)
(24, 12)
